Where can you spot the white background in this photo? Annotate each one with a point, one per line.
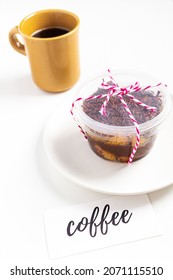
(133, 34)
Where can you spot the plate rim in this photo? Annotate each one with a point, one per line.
(75, 180)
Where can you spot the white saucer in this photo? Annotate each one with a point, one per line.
(70, 153)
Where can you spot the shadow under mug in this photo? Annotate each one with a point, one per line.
(54, 61)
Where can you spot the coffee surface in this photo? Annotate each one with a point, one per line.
(50, 32)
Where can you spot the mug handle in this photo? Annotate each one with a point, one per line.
(16, 44)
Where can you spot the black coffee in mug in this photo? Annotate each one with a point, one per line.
(50, 32)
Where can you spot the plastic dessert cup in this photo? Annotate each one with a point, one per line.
(113, 137)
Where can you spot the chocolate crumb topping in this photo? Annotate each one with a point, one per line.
(116, 113)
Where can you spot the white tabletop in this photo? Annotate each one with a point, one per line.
(114, 34)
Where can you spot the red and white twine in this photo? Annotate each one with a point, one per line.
(112, 90)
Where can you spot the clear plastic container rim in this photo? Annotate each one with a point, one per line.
(84, 119)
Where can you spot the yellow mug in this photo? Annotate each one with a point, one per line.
(51, 42)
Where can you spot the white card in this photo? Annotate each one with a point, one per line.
(99, 224)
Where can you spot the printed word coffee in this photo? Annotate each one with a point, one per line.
(95, 222)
